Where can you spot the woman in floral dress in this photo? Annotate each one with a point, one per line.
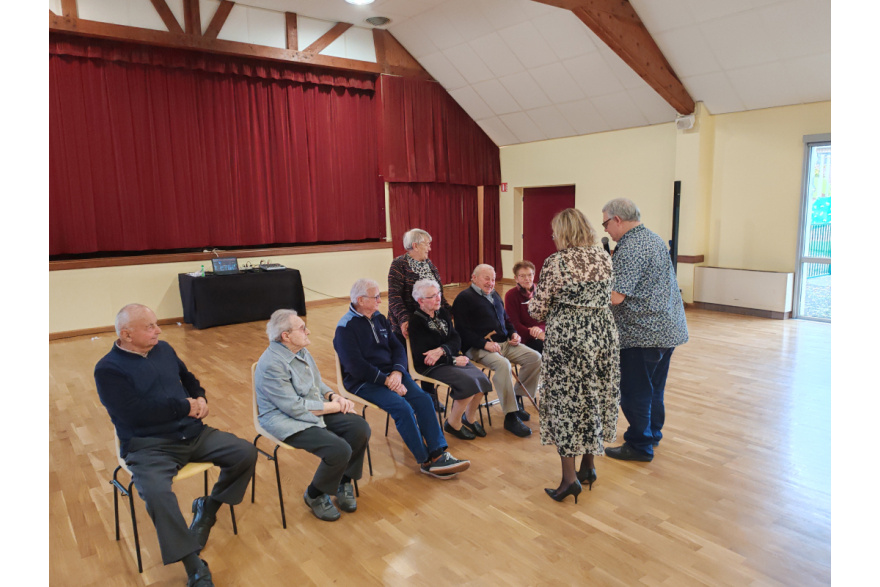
(580, 372)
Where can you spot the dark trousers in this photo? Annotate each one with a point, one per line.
(536, 345)
(642, 384)
(155, 461)
(341, 447)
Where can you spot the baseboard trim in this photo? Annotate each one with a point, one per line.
(744, 311)
(104, 329)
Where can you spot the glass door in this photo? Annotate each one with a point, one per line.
(813, 275)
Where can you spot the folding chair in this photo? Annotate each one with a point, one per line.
(188, 470)
(417, 377)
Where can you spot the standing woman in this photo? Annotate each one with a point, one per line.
(405, 271)
(580, 374)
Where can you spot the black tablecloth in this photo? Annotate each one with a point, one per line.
(214, 300)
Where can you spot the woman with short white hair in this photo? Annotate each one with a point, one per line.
(436, 349)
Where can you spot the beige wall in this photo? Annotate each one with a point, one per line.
(90, 298)
(741, 182)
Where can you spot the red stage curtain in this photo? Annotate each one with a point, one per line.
(449, 213)
(425, 136)
(147, 157)
(492, 227)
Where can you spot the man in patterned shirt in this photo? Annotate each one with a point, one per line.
(649, 313)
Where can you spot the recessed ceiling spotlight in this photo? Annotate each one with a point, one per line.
(359, 2)
(378, 20)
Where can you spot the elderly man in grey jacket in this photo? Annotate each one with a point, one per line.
(295, 406)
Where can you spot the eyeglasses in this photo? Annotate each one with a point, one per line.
(433, 297)
(377, 297)
(605, 224)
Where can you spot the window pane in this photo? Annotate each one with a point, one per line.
(815, 299)
(817, 241)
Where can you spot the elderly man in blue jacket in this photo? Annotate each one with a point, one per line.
(374, 367)
(158, 407)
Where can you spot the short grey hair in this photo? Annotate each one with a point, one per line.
(125, 315)
(415, 236)
(480, 267)
(421, 285)
(624, 209)
(279, 323)
(360, 287)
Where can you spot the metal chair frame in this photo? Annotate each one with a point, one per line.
(188, 470)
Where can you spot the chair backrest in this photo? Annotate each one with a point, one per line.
(257, 426)
(415, 374)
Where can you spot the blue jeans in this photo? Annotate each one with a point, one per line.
(413, 414)
(642, 384)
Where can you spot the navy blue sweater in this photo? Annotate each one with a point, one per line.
(475, 317)
(367, 350)
(147, 396)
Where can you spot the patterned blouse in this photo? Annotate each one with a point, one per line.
(652, 315)
(404, 273)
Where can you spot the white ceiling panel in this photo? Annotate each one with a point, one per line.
(550, 120)
(503, 13)
(497, 97)
(468, 63)
(498, 132)
(439, 29)
(411, 36)
(715, 92)
(664, 15)
(796, 31)
(528, 45)
(525, 90)
(803, 74)
(467, 18)
(740, 40)
(583, 117)
(565, 33)
(496, 55)
(523, 127)
(656, 109)
(619, 110)
(593, 75)
(557, 83)
(472, 103)
(706, 10)
(763, 86)
(687, 50)
(443, 71)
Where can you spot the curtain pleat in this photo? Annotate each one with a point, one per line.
(147, 157)
(492, 227)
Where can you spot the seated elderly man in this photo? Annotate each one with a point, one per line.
(488, 337)
(294, 405)
(157, 407)
(374, 367)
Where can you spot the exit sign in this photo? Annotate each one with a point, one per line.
(503, 187)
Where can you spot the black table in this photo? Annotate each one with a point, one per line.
(214, 300)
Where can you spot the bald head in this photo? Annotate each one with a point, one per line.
(484, 278)
(137, 328)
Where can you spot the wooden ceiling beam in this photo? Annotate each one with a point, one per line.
(192, 18)
(167, 16)
(219, 19)
(619, 27)
(324, 40)
(68, 8)
(290, 22)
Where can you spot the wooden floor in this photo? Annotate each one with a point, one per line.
(738, 493)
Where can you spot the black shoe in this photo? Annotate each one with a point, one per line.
(202, 521)
(476, 427)
(588, 477)
(523, 415)
(573, 489)
(513, 424)
(444, 467)
(322, 507)
(625, 452)
(463, 433)
(201, 578)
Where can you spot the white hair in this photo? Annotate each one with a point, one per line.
(415, 236)
(360, 287)
(125, 315)
(623, 208)
(279, 323)
(420, 286)
(481, 267)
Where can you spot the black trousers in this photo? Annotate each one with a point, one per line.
(341, 446)
(155, 461)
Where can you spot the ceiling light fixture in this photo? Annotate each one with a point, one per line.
(378, 20)
(359, 2)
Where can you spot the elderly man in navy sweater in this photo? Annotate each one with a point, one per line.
(374, 367)
(157, 407)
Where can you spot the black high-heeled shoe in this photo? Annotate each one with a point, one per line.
(588, 477)
(573, 489)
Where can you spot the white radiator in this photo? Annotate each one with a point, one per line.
(759, 290)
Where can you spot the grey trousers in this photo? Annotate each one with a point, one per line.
(155, 461)
(341, 446)
(530, 368)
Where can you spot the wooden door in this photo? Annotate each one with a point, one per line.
(540, 205)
